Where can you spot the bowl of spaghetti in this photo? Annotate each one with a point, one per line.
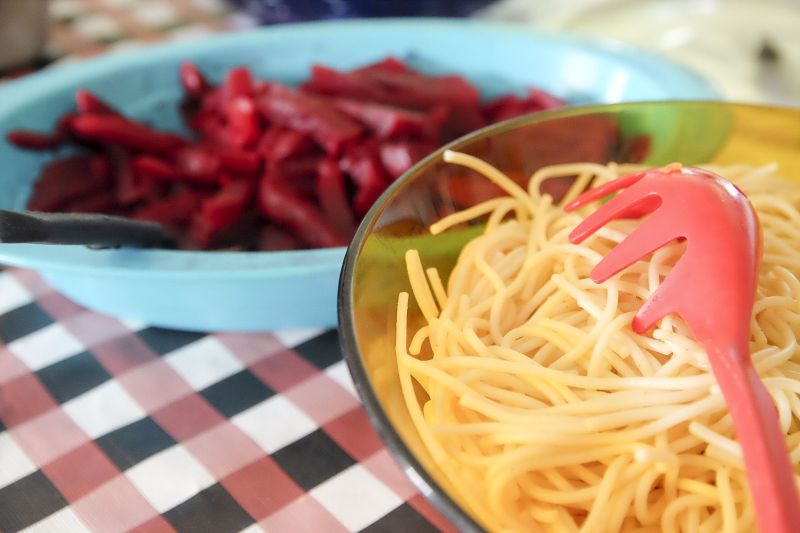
(509, 385)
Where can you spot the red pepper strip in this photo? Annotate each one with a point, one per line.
(418, 90)
(212, 100)
(275, 239)
(543, 100)
(63, 181)
(245, 162)
(397, 157)
(288, 170)
(198, 163)
(389, 64)
(460, 120)
(176, 210)
(127, 133)
(332, 196)
(128, 189)
(364, 167)
(290, 143)
(288, 208)
(100, 167)
(89, 103)
(238, 82)
(153, 167)
(389, 121)
(228, 205)
(403, 89)
(326, 80)
(33, 140)
(365, 197)
(243, 127)
(192, 80)
(240, 235)
(268, 139)
(331, 128)
(101, 202)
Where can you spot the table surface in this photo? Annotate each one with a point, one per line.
(115, 426)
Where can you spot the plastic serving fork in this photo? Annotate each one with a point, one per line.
(712, 287)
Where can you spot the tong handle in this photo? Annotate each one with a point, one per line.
(94, 230)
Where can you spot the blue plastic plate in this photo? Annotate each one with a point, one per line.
(209, 291)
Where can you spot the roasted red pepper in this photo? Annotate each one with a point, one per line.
(288, 208)
(193, 81)
(229, 204)
(89, 103)
(331, 128)
(126, 133)
(65, 180)
(332, 194)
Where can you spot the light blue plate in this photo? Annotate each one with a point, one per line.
(271, 290)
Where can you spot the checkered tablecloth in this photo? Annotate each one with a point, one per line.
(108, 425)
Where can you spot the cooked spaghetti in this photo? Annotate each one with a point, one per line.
(541, 405)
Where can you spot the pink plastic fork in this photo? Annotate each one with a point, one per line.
(712, 287)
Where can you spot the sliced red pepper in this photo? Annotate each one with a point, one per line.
(404, 89)
(390, 121)
(243, 127)
(268, 139)
(100, 167)
(128, 188)
(244, 162)
(89, 103)
(240, 235)
(388, 64)
(229, 204)
(198, 163)
(418, 90)
(290, 143)
(174, 210)
(288, 208)
(101, 202)
(127, 133)
(332, 194)
(460, 121)
(365, 197)
(153, 167)
(399, 156)
(362, 163)
(63, 181)
(511, 105)
(331, 128)
(326, 80)
(33, 140)
(192, 80)
(275, 239)
(238, 83)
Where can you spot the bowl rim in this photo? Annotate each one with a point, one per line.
(347, 334)
(685, 83)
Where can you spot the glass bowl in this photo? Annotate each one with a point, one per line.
(374, 272)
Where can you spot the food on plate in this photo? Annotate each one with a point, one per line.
(542, 406)
(265, 166)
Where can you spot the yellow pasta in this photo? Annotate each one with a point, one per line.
(544, 408)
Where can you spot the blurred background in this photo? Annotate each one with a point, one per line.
(749, 48)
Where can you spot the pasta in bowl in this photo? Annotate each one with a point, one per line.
(510, 383)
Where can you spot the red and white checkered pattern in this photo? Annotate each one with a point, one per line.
(259, 461)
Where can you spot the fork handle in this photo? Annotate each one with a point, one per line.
(769, 470)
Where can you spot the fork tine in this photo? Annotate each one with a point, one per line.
(604, 190)
(651, 235)
(629, 199)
